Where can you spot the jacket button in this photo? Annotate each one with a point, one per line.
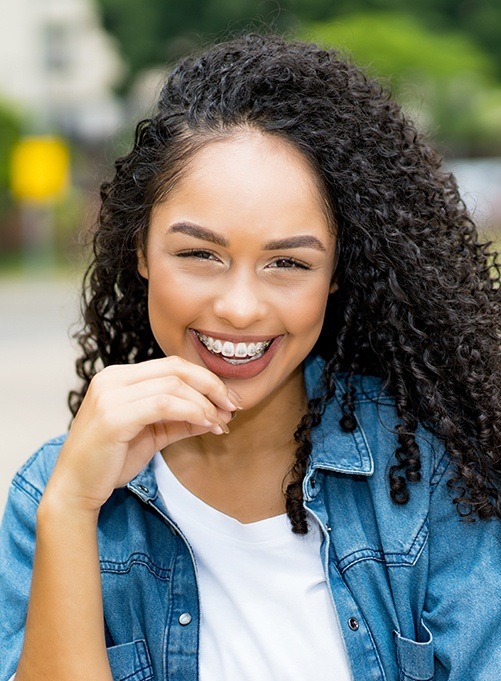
(184, 619)
(353, 623)
(143, 489)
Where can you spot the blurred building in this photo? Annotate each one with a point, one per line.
(59, 66)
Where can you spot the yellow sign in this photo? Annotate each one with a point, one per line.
(40, 168)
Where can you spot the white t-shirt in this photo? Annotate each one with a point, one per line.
(266, 611)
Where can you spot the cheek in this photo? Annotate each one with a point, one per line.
(309, 313)
(168, 305)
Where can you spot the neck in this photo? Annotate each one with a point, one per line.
(256, 455)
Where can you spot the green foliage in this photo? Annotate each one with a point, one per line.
(479, 19)
(395, 46)
(156, 31)
(442, 58)
(10, 131)
(445, 81)
(152, 31)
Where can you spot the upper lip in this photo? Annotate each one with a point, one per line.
(233, 338)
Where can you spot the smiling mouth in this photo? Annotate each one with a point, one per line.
(234, 353)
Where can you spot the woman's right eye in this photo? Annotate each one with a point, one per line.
(198, 254)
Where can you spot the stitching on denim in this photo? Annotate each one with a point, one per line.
(147, 669)
(375, 559)
(27, 488)
(437, 476)
(388, 557)
(124, 567)
(139, 671)
(20, 480)
(404, 674)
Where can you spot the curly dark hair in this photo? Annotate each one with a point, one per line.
(418, 302)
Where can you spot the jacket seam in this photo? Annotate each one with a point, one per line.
(124, 567)
(139, 671)
(389, 557)
(26, 488)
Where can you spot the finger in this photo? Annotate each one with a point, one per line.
(166, 385)
(197, 377)
(169, 409)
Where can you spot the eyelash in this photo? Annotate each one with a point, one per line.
(200, 254)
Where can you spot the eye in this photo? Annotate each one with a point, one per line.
(198, 254)
(288, 263)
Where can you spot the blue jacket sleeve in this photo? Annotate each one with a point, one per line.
(17, 547)
(463, 604)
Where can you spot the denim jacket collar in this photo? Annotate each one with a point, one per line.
(334, 449)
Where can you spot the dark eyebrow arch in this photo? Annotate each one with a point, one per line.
(300, 241)
(198, 232)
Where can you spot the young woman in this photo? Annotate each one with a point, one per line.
(289, 466)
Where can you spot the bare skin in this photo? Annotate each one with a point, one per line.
(128, 414)
(241, 290)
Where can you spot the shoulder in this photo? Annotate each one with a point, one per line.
(32, 477)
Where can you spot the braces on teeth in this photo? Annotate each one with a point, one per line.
(241, 352)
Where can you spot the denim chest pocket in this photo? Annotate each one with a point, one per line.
(415, 658)
(130, 661)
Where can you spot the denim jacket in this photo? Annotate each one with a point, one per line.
(417, 590)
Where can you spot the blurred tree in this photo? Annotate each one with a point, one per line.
(444, 79)
(156, 31)
(10, 131)
(441, 56)
(480, 19)
(394, 45)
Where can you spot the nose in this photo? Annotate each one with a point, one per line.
(240, 300)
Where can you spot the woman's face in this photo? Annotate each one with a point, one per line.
(239, 260)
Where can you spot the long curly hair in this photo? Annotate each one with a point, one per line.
(418, 302)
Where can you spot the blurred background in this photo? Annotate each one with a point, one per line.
(76, 74)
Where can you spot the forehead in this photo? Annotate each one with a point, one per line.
(250, 178)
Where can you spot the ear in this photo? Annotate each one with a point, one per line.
(334, 286)
(142, 265)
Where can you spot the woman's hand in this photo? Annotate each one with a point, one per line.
(129, 413)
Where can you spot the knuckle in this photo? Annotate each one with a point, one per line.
(164, 402)
(175, 362)
(102, 378)
(174, 383)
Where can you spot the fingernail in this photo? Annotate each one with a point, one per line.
(235, 398)
(213, 420)
(224, 427)
(233, 414)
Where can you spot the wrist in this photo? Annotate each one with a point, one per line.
(57, 503)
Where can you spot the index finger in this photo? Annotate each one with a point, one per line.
(197, 377)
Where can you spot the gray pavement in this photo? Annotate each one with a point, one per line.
(36, 366)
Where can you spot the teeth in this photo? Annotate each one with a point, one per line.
(228, 349)
(243, 351)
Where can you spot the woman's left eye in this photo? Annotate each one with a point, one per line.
(288, 263)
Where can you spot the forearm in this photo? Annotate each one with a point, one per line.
(64, 630)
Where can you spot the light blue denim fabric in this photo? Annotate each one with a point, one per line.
(417, 591)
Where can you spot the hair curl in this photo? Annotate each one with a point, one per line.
(418, 302)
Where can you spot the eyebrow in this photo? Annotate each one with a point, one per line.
(198, 232)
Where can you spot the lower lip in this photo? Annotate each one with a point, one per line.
(224, 369)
